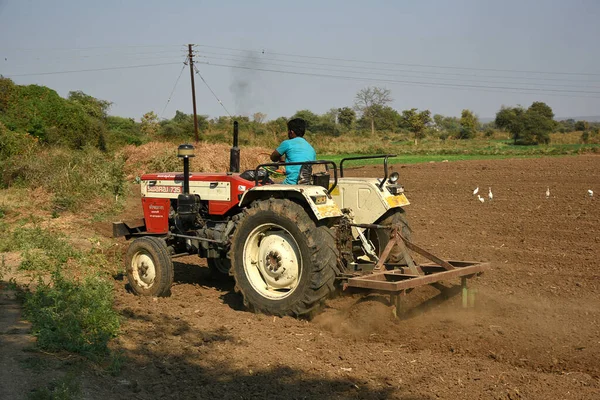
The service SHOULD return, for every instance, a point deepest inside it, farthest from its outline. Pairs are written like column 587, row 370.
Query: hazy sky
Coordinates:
column 437, row 55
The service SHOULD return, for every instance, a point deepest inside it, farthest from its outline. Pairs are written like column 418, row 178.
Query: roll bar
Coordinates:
column 283, row 164
column 385, row 165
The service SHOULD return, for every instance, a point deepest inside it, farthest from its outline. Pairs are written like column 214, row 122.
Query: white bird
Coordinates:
column 481, row 199
column 476, row 191
column 591, row 192
column 490, row 195
column 547, row 192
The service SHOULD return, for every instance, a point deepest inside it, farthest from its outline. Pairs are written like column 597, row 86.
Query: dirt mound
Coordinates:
column 162, row 157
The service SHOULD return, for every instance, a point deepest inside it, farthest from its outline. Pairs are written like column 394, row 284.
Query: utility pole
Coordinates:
column 191, row 57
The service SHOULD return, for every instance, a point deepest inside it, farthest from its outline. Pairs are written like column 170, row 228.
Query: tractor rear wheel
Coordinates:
column 149, row 267
column 283, row 264
column 381, row 237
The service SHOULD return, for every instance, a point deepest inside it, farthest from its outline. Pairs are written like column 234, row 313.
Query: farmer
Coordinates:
column 295, row 149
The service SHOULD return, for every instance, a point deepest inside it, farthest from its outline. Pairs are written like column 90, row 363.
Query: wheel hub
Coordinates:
column 272, row 261
column 144, row 270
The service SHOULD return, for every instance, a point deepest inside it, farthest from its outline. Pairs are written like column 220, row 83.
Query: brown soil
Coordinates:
column 534, row 332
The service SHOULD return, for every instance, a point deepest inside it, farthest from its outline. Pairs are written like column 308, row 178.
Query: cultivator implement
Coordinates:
column 410, row 275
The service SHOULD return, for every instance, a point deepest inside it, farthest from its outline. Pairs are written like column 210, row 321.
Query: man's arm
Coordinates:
column 276, row 157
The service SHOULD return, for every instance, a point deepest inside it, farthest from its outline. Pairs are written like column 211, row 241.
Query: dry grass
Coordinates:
column 162, row 157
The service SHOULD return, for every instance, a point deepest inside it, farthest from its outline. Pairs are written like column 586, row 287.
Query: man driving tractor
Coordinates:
column 295, row 149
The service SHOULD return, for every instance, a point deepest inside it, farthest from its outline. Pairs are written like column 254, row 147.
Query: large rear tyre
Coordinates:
column 381, row 237
column 149, row 267
column 283, row 264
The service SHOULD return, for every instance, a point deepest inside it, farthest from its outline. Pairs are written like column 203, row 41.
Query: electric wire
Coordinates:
column 395, row 75
column 93, row 69
column 555, row 92
column 400, row 64
column 371, row 68
column 174, row 86
column 213, row 93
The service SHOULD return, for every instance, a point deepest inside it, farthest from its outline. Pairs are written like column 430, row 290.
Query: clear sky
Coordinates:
column 432, row 54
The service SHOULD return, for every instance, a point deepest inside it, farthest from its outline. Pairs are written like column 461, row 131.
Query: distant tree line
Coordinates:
column 81, row 120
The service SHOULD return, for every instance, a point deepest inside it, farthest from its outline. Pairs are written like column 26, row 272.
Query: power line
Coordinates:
column 174, row 86
column 395, row 75
column 213, row 93
column 401, row 64
column 92, row 69
column 88, row 48
column 371, row 68
column 556, row 92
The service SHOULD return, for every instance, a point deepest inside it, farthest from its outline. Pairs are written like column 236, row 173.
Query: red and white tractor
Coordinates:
column 288, row 247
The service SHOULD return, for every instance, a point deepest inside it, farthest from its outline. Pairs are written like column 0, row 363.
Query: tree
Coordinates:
column 312, row 119
column 149, row 124
column 94, row 107
column 366, row 101
column 468, row 124
column 510, row 120
column 259, row 117
column 539, row 107
column 415, row 122
column 531, row 126
column 346, row 117
column 581, row 126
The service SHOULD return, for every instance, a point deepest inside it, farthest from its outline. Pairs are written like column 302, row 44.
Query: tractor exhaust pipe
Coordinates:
column 186, row 151
column 234, row 153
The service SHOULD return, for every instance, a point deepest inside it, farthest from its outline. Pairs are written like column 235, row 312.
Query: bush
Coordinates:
column 75, row 177
column 73, row 316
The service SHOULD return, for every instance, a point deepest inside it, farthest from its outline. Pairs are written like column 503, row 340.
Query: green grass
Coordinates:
column 464, row 151
column 66, row 313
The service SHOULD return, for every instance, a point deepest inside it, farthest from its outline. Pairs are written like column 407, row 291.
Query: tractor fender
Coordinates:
column 319, row 202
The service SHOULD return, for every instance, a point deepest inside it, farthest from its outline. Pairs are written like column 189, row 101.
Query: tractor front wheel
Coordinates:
column 283, row 264
column 219, row 268
column 149, row 267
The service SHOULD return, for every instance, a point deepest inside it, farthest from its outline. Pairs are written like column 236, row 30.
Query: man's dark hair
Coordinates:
column 298, row 125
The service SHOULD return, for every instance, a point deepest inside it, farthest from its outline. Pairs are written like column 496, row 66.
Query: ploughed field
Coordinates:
column 534, row 331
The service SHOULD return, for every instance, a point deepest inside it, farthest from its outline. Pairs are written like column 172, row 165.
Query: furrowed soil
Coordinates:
column 533, row 333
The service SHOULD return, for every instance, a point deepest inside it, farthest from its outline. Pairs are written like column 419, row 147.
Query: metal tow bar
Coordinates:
column 398, row 282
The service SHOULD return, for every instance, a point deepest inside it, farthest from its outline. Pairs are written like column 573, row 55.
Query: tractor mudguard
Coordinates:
column 316, row 197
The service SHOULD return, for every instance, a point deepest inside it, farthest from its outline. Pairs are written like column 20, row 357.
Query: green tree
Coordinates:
column 539, row 107
column 371, row 100
column 149, row 124
column 468, row 124
column 581, row 126
column 415, row 122
column 527, row 127
column 446, row 126
column 94, row 107
column 346, row 117
column 312, row 119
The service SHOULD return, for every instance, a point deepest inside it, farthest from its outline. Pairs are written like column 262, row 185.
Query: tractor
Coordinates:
column 287, row 247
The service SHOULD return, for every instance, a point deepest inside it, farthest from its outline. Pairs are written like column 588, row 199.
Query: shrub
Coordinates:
column 73, row 316
column 75, row 177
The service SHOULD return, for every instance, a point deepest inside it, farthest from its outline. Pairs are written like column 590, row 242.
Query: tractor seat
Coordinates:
column 307, row 177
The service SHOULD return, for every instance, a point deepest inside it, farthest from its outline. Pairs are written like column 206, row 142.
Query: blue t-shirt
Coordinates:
column 295, row 150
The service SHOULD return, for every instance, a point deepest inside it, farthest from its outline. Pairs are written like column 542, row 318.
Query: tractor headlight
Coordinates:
column 185, row 150
column 320, row 199
column 394, row 177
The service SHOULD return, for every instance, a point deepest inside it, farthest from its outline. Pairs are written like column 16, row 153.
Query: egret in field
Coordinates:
column 547, row 193
column 490, row 194
column 481, row 199
column 590, row 192
column 476, row 191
